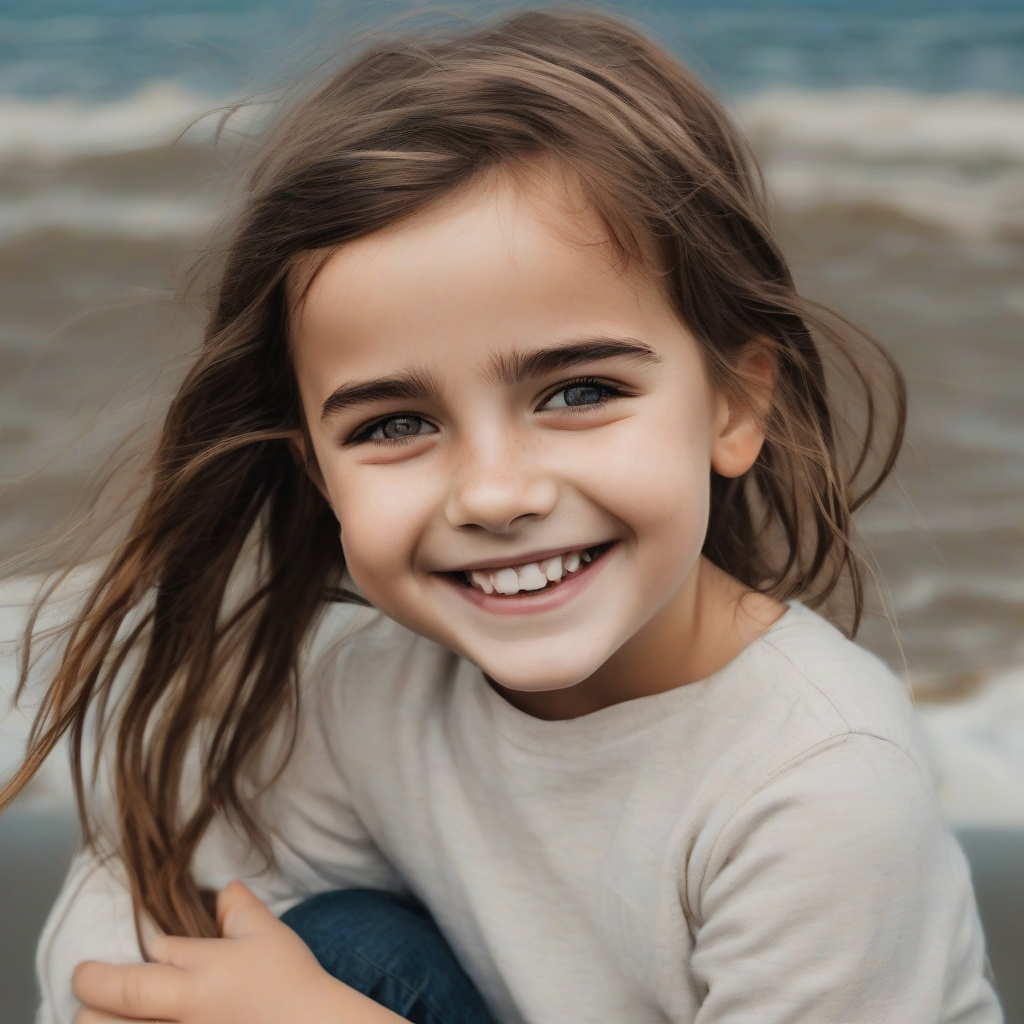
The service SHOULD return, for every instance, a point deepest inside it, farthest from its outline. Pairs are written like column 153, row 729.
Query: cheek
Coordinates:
column 656, row 478
column 381, row 517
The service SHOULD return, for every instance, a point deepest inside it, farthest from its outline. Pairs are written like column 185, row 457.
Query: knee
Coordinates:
column 348, row 917
column 389, row 948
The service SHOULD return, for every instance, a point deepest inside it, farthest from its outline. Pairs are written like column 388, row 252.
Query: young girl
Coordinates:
column 462, row 600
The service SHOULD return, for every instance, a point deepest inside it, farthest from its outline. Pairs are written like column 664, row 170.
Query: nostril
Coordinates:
column 500, row 504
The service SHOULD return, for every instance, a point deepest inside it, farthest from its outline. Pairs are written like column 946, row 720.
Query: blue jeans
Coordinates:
column 388, row 948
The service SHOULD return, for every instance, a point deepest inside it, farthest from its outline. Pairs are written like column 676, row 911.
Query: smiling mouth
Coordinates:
column 531, row 577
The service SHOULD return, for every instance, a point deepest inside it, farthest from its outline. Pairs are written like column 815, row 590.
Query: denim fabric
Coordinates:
column 388, row 948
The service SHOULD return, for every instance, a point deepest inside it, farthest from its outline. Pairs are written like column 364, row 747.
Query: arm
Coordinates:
column 318, row 841
column 836, row 894
column 91, row 918
column 259, row 972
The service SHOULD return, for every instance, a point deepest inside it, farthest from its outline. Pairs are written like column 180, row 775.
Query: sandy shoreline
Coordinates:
column 895, row 154
column 35, row 846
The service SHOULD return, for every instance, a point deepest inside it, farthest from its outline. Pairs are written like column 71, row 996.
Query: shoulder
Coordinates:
column 827, row 767
column 838, row 868
column 361, row 680
column 805, row 662
column 353, row 649
column 799, row 690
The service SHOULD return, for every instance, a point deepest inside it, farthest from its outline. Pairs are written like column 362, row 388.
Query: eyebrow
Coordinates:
column 519, row 367
column 509, row 370
column 415, row 385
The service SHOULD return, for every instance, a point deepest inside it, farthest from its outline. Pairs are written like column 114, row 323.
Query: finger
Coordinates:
column 240, row 912
column 87, row 1015
column 136, row 991
column 186, row 954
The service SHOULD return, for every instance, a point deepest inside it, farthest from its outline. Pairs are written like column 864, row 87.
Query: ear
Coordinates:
column 302, row 450
column 739, row 420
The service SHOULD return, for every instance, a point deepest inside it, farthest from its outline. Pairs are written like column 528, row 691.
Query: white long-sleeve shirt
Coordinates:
column 763, row 846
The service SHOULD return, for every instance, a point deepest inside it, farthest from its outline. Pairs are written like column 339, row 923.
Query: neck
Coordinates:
column 706, row 623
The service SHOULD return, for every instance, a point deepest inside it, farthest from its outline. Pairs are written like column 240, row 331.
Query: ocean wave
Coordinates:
column 953, row 162
column 939, row 198
column 928, row 588
column 105, row 216
column 53, row 130
column 977, row 743
column 872, row 123
column 890, row 124
column 978, row 752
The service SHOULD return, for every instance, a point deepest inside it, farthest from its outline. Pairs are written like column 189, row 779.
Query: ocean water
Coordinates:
column 892, row 132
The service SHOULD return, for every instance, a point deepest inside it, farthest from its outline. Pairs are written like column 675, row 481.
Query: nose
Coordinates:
column 500, row 487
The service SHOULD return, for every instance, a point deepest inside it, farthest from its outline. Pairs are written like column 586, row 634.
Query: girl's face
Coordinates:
column 515, row 433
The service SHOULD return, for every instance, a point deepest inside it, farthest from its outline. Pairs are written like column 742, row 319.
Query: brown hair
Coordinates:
column 400, row 127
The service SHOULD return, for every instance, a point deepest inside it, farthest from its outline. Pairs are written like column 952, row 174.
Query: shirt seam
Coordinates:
column 805, row 755
column 574, row 754
column 667, row 695
column 810, row 682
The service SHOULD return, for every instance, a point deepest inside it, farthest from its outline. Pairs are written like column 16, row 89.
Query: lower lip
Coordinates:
column 533, row 602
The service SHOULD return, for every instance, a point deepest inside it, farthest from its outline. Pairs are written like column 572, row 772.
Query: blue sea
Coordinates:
column 107, row 49
column 892, row 132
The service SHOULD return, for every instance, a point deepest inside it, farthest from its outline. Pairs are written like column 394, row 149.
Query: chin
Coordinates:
column 537, row 671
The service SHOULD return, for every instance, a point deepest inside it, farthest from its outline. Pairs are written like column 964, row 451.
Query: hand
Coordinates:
column 259, row 972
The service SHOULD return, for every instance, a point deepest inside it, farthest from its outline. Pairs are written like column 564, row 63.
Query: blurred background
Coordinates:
column 892, row 132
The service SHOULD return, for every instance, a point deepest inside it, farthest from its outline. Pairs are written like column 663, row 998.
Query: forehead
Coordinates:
column 510, row 263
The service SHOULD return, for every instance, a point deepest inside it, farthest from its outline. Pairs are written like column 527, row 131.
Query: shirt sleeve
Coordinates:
column 318, row 842
column 835, row 895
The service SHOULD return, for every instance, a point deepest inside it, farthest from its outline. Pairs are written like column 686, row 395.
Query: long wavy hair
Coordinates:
column 188, row 643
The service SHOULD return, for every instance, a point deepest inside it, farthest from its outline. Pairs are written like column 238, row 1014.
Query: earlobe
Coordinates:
column 739, row 423
column 735, row 449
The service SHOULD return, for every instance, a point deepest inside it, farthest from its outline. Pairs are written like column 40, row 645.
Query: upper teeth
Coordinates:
column 532, row 576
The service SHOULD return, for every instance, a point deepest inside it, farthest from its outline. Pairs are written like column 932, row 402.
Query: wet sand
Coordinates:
column 997, row 860
column 88, row 347
column 902, row 206
column 35, row 846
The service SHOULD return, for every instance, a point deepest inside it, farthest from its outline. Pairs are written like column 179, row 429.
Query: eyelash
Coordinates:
column 363, row 434
column 613, row 391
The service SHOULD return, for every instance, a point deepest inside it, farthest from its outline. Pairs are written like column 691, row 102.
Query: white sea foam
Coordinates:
column 50, row 133
column 52, row 786
column 937, row 196
column 103, row 215
column 978, row 747
column 927, row 588
column 875, row 123
column 952, row 161
column 57, row 129
column 890, row 123
column 977, row 744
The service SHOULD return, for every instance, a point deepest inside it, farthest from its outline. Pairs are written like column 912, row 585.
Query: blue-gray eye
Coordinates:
column 576, row 395
column 397, row 428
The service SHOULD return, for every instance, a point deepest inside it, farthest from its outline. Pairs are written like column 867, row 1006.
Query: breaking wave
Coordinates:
column 949, row 161
column 53, row 130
